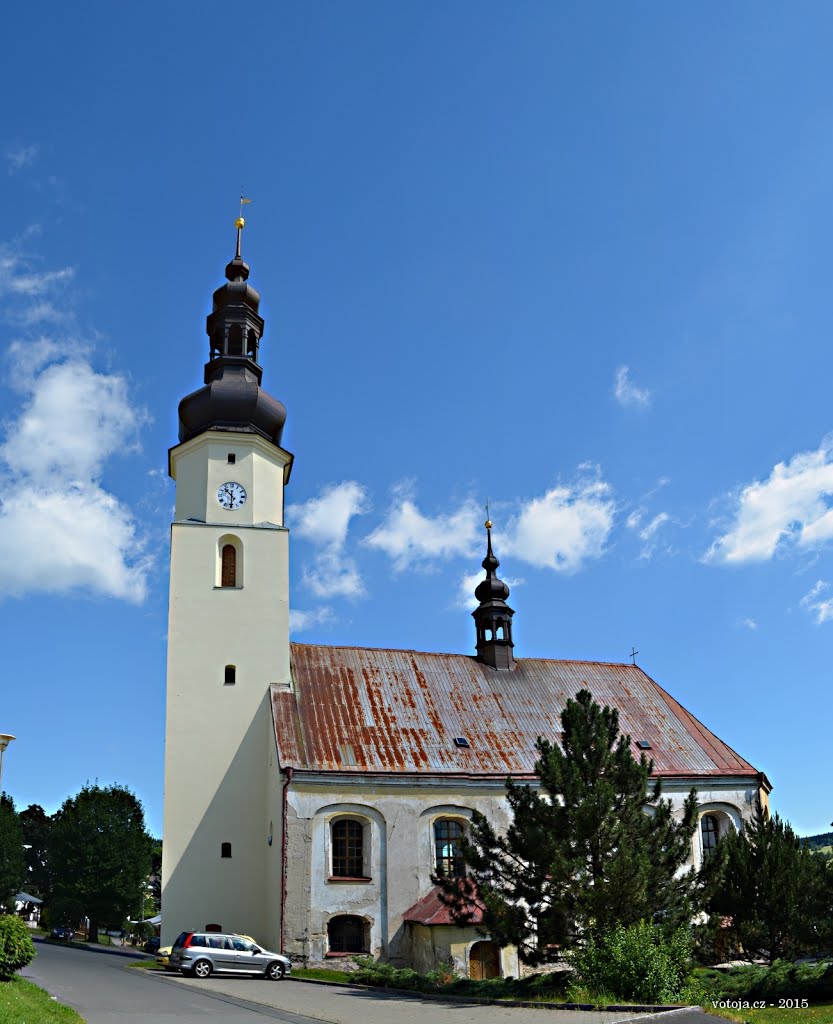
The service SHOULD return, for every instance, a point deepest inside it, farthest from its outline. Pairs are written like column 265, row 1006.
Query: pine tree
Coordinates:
column 592, row 846
column 775, row 890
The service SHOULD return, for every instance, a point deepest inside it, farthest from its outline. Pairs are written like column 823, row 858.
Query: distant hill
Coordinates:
column 819, row 842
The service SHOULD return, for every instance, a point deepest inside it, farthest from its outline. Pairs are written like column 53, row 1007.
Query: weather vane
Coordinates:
column 488, row 523
column 241, row 223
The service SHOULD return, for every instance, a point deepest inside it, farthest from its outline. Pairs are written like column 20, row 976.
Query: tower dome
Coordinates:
column 232, row 398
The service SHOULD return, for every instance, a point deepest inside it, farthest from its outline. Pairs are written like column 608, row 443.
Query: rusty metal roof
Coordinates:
column 431, row 910
column 358, row 709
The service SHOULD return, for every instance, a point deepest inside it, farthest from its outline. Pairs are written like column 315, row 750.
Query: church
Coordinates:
column 311, row 791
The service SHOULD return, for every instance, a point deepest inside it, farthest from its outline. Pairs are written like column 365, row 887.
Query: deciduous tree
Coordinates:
column 12, row 868
column 592, row 846
column 99, row 855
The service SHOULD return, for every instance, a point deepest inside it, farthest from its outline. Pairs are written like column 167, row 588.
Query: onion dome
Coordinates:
column 493, row 616
column 232, row 398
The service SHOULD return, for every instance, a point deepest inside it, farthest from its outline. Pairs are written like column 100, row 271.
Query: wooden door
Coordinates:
column 484, row 961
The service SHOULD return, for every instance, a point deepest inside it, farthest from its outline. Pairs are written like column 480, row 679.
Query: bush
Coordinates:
column 372, row 972
column 639, row 964
column 782, row 979
column 16, row 946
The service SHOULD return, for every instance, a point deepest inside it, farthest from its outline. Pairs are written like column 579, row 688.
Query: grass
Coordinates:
column 22, row 1002
column 145, row 965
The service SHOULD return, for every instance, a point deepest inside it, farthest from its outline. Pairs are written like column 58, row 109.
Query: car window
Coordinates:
column 240, row 944
column 199, row 940
column 180, row 941
column 216, row 942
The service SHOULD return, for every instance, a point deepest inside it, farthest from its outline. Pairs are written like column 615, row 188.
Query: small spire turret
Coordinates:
column 493, row 616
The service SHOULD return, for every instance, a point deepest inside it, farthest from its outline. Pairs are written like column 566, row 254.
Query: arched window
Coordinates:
column 346, row 934
column 228, row 571
column 225, row 849
column 448, row 848
column 709, row 833
column 347, row 848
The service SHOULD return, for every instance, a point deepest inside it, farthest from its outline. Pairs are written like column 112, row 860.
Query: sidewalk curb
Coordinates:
column 108, row 950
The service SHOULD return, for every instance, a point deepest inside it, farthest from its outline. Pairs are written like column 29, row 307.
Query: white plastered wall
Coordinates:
column 221, row 775
column 401, row 814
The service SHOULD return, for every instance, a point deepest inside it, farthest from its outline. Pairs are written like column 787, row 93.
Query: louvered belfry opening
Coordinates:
column 228, row 573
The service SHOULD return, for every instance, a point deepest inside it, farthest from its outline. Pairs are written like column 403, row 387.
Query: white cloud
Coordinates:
column 748, row 623
column 60, row 530
column 19, row 278
column 325, row 521
column 627, row 394
column 791, row 507
column 564, row 528
column 410, row 538
column 18, row 157
column 299, row 620
column 816, row 603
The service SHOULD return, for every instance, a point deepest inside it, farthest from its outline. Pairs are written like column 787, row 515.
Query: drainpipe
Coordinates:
column 288, row 772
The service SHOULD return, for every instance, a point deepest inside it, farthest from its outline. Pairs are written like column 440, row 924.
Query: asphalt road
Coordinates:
column 105, row 990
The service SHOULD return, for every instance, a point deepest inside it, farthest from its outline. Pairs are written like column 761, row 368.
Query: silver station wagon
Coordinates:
column 203, row 953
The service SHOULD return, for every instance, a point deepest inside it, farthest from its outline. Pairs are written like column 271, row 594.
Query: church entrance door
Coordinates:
column 484, row 961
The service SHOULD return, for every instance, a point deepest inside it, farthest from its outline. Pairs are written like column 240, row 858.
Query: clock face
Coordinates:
column 231, row 496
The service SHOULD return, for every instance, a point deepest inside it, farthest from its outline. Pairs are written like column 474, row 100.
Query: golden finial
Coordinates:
column 488, row 523
column 240, row 223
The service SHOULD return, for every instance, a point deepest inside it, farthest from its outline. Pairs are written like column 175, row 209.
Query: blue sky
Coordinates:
column 574, row 259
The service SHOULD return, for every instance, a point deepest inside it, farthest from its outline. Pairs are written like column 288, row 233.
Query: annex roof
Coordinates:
column 430, row 910
column 358, row 709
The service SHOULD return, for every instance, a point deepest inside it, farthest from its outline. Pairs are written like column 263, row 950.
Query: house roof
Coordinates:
column 358, row 709
column 431, row 910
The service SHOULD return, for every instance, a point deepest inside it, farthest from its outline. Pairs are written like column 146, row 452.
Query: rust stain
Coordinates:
column 399, row 711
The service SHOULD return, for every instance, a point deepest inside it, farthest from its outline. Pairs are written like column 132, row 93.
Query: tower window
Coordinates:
column 230, row 675
column 225, row 849
column 228, row 576
column 232, row 458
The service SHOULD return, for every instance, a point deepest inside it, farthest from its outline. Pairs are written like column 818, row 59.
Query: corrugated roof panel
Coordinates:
column 399, row 711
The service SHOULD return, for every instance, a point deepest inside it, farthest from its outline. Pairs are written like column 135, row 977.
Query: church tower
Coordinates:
column 228, row 634
column 493, row 616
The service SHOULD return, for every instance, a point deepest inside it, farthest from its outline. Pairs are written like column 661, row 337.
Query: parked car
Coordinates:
column 151, row 945
column 63, row 932
column 163, row 958
column 203, row 953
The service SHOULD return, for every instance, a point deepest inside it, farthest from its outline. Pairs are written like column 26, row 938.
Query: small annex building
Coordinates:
column 311, row 791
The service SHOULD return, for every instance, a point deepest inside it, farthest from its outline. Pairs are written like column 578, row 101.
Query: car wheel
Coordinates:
column 201, row 969
column 275, row 971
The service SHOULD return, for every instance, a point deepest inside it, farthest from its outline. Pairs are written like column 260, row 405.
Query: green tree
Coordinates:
column 36, row 824
column 775, row 890
column 99, row 855
column 12, row 867
column 592, row 846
